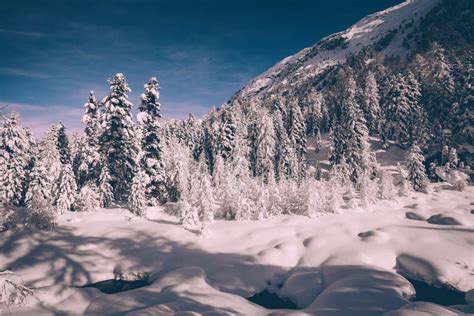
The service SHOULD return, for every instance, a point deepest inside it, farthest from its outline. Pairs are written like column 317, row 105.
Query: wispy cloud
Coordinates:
column 24, row 33
column 24, row 73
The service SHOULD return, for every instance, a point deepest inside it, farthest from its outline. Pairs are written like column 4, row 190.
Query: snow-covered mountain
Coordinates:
column 385, row 31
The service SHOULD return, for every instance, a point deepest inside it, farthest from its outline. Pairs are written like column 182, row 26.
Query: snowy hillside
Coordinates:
column 334, row 49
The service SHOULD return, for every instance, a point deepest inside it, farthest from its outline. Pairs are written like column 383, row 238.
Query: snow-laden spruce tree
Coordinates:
column 63, row 144
column 350, row 135
column 297, row 135
column 211, row 146
column 65, row 192
column 89, row 156
column 117, row 140
column 88, row 199
column 398, row 111
column 178, row 168
column 44, row 179
column 370, row 103
column 202, row 198
column 440, row 85
column 265, row 148
column 14, row 160
column 286, row 161
column 416, row 169
column 227, row 132
column 104, row 188
column 150, row 129
column 418, row 125
column 137, row 197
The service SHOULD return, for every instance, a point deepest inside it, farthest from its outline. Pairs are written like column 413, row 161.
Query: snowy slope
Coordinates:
column 308, row 63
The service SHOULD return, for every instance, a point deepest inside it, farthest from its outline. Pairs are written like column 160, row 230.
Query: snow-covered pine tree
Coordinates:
column 117, row 139
column 397, row 111
column 351, row 140
column 416, row 169
column 88, row 199
column 178, row 166
column 211, row 146
column 370, row 104
column 297, row 135
column 286, row 162
column 265, row 148
column 104, row 189
column 62, row 142
column 439, row 85
column 89, row 158
column 194, row 137
column 152, row 162
column 418, row 123
column 14, row 160
column 66, row 190
column 137, row 198
column 45, row 176
column 228, row 129
column 203, row 199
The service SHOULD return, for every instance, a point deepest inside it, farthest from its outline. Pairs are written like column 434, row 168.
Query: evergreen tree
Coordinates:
column 62, row 142
column 228, row 129
column 265, row 148
column 440, row 86
column 152, row 162
column 178, row 167
column 211, row 139
column 88, row 199
column 136, row 198
column 204, row 200
column 117, row 139
column 66, row 191
column 416, row 169
column 286, row 162
column 14, row 160
column 45, row 175
column 398, row 111
column 370, row 104
column 297, row 135
column 104, row 189
column 88, row 159
column 350, row 139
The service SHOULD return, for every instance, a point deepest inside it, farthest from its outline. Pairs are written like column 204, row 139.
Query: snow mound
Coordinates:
column 423, row 309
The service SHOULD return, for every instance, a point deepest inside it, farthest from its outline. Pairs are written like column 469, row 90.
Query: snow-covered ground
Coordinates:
column 334, row 264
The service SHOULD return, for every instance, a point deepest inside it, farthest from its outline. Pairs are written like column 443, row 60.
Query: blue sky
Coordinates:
column 53, row 52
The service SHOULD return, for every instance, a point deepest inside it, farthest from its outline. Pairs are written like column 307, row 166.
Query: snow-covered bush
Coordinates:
column 13, row 291
column 387, row 190
column 456, row 178
column 17, row 218
column 88, row 199
column 368, row 191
